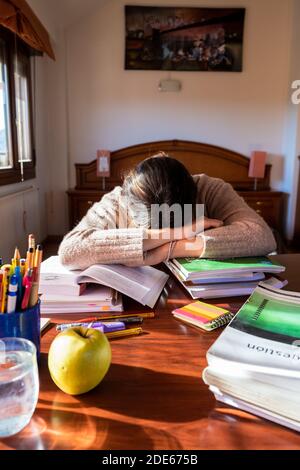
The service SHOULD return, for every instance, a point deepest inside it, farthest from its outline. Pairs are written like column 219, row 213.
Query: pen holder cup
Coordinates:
column 24, row 325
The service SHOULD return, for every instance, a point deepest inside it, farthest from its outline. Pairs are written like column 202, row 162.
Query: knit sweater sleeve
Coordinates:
column 98, row 239
column 244, row 232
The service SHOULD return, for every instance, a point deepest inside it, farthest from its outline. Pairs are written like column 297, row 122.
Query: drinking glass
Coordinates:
column 19, row 384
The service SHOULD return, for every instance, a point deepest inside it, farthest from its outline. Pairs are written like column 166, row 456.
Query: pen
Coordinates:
column 20, row 285
column 122, row 334
column 104, row 327
column 23, row 267
column 12, row 294
column 27, row 283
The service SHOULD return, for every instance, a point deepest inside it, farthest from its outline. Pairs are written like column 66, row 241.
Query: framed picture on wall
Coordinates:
column 184, row 39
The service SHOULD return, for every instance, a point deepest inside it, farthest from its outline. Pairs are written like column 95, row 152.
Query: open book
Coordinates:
column 255, row 363
column 143, row 284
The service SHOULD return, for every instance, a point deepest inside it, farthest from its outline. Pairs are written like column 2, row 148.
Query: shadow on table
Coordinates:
column 67, row 430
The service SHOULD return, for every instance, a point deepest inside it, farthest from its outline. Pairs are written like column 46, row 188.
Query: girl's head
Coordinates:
column 156, row 181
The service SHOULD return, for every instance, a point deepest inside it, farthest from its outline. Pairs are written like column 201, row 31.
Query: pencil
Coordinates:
column 123, row 333
column 31, row 242
column 34, row 295
column 16, row 258
column 112, row 317
column 29, row 259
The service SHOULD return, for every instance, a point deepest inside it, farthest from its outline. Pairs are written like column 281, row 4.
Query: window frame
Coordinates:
column 13, row 175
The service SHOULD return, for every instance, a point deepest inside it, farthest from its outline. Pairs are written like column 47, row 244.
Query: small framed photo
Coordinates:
column 103, row 163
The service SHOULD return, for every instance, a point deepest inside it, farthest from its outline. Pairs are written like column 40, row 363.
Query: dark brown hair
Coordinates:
column 161, row 180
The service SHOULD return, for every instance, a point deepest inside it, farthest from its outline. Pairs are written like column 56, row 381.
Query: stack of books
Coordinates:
column 254, row 364
column 62, row 292
column 210, row 279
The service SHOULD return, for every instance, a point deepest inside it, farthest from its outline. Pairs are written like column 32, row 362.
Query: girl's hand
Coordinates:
column 190, row 231
column 156, row 256
column 192, row 248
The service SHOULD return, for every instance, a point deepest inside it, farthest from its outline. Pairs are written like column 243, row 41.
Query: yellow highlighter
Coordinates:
column 5, row 284
column 123, row 333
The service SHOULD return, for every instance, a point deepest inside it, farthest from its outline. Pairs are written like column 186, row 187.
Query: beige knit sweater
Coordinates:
column 92, row 241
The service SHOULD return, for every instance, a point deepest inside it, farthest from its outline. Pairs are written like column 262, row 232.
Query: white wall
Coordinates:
column 112, row 108
column 93, row 102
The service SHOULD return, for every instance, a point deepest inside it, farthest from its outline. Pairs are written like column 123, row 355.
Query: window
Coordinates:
column 5, row 131
column 16, row 130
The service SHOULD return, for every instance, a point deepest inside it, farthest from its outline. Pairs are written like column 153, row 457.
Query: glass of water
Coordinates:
column 19, row 384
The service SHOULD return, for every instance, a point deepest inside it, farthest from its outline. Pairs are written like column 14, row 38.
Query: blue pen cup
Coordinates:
column 24, row 324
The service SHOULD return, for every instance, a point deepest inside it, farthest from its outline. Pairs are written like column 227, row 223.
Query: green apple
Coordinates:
column 78, row 359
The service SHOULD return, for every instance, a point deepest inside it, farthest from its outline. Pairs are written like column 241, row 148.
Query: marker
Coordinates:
column 104, row 327
column 27, row 283
column 122, row 334
column 5, row 281
column 12, row 294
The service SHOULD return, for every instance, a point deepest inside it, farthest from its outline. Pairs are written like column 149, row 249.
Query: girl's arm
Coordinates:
column 97, row 238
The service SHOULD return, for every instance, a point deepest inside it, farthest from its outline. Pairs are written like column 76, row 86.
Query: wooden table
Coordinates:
column 153, row 396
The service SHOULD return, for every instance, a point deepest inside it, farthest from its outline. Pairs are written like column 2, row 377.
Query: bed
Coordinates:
column 198, row 158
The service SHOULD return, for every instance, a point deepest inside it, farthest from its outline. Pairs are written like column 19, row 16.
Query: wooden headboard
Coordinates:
column 198, row 158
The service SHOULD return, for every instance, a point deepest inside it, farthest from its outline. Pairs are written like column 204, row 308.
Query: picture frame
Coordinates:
column 184, row 39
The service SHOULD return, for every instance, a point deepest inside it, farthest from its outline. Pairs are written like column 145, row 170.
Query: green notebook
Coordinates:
column 271, row 315
column 198, row 267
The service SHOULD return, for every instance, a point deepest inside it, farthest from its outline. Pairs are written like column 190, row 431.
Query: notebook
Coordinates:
column 215, row 289
column 197, row 268
column 255, row 361
column 204, row 316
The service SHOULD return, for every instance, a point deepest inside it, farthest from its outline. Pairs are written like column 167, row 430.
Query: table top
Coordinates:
column 153, row 396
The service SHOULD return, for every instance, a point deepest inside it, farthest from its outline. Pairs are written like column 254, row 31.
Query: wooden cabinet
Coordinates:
column 269, row 205
column 80, row 202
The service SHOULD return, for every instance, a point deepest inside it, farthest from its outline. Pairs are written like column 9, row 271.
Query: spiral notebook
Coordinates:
column 204, row 316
